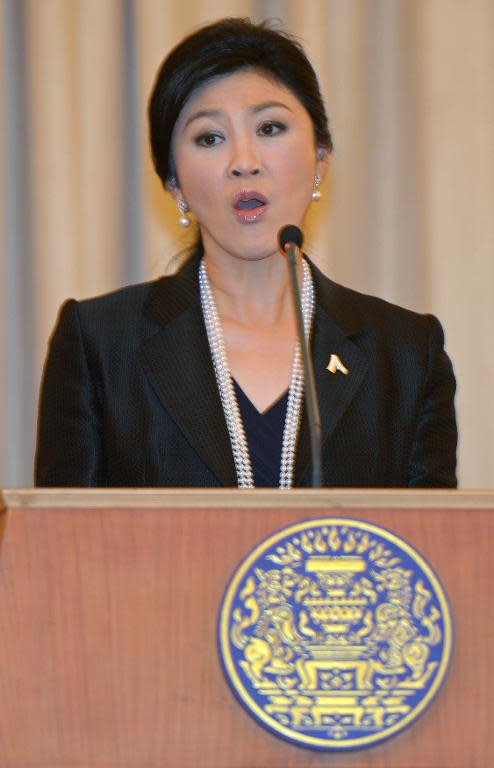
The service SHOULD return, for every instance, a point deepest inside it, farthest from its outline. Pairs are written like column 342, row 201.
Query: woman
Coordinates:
column 195, row 379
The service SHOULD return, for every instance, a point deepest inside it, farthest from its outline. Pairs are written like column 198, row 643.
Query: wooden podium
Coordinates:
column 108, row 620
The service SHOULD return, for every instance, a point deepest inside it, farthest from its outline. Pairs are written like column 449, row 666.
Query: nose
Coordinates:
column 238, row 172
column 244, row 161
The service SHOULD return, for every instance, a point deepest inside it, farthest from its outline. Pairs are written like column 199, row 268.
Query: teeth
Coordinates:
column 248, row 205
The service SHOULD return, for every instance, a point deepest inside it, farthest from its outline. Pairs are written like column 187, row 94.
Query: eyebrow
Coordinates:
column 255, row 109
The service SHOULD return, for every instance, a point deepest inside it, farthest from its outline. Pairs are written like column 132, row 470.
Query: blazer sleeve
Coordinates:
column 69, row 448
column 433, row 458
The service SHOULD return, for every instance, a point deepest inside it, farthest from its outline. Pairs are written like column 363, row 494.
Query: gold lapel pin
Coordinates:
column 335, row 364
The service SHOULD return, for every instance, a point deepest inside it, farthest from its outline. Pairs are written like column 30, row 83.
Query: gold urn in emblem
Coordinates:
column 339, row 606
column 335, row 633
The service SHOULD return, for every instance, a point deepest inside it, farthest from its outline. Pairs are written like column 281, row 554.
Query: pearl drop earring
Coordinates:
column 316, row 195
column 184, row 220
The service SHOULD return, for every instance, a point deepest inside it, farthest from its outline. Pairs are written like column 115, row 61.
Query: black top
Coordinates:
column 130, row 398
column 264, row 433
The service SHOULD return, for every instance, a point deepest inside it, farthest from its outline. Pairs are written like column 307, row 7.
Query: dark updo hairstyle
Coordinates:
column 222, row 48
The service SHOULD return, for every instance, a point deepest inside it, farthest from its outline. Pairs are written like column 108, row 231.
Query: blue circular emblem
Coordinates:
column 335, row 633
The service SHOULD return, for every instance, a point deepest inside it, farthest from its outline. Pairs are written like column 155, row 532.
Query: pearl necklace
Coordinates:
column 238, row 440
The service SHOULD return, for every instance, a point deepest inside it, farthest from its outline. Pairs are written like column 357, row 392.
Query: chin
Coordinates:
column 248, row 244
column 258, row 247
column 257, row 252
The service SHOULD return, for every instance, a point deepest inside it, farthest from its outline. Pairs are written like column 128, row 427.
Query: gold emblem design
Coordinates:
column 335, row 365
column 335, row 633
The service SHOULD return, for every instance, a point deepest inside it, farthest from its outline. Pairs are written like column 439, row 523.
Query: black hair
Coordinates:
column 222, row 48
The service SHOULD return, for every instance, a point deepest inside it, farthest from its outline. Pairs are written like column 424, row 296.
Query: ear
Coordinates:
column 322, row 162
column 173, row 188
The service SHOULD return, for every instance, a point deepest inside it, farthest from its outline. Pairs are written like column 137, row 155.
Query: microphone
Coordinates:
column 290, row 240
column 290, row 234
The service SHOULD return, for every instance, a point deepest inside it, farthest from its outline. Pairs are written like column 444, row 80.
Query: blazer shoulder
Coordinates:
column 159, row 301
column 110, row 320
column 120, row 301
column 355, row 311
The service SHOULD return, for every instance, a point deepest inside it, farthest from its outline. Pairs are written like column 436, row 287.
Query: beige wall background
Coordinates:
column 408, row 210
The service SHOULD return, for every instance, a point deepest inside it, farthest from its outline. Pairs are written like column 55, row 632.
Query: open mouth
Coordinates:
column 249, row 205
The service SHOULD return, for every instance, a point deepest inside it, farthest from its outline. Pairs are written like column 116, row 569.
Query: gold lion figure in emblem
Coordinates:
column 401, row 648
column 272, row 652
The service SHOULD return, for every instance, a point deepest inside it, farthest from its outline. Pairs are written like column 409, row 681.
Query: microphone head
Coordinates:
column 290, row 234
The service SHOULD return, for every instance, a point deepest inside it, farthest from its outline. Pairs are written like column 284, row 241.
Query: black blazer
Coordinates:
column 129, row 395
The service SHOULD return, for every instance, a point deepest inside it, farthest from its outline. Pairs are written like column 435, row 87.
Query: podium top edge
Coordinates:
column 266, row 498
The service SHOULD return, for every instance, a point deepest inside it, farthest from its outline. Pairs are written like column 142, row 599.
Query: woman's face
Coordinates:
column 246, row 159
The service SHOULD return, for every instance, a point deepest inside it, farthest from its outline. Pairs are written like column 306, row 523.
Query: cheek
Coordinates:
column 203, row 196
column 300, row 171
column 199, row 183
column 190, row 174
column 299, row 165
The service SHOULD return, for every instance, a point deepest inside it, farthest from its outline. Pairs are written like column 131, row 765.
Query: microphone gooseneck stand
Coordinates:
column 290, row 241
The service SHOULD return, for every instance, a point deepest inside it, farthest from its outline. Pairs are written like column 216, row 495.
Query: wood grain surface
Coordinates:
column 108, row 622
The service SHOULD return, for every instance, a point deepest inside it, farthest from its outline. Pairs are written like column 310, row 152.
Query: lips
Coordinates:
column 249, row 205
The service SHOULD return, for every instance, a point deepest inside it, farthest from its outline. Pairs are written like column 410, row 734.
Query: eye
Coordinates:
column 208, row 139
column 270, row 128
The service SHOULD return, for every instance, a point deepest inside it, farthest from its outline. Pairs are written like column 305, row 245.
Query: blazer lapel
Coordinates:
column 336, row 321
column 179, row 366
column 178, row 363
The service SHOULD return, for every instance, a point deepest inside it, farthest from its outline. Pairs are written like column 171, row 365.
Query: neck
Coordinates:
column 251, row 291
